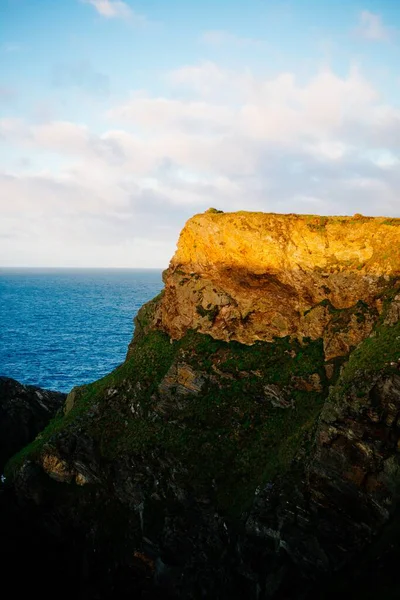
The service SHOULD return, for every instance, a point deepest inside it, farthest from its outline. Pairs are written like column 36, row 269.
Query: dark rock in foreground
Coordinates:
column 25, row 410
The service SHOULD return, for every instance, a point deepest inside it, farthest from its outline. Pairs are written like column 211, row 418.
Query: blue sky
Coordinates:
column 119, row 120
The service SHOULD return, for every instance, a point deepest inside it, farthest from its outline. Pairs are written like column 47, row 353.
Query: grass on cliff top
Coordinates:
column 316, row 222
column 230, row 438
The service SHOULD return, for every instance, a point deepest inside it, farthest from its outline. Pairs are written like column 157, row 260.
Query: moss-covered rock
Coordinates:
column 224, row 426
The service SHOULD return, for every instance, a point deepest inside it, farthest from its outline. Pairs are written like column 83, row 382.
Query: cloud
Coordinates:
column 220, row 137
column 371, row 27
column 81, row 75
column 166, row 114
column 59, row 220
column 218, row 37
column 204, row 80
column 115, row 9
column 278, row 110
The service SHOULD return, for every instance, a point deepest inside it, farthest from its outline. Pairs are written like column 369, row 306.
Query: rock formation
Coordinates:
column 24, row 411
column 249, row 445
column 255, row 276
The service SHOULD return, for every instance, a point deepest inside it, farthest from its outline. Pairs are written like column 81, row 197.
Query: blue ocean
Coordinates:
column 65, row 327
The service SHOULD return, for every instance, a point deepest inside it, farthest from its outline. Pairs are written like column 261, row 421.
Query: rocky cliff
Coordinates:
column 249, row 445
column 24, row 411
column 255, row 276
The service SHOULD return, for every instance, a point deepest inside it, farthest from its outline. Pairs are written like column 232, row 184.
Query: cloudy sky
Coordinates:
column 121, row 119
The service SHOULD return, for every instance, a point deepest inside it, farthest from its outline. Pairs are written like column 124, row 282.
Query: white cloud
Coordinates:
column 221, row 138
column 162, row 114
column 371, row 27
column 115, row 9
column 60, row 136
column 278, row 110
column 210, row 81
column 12, row 128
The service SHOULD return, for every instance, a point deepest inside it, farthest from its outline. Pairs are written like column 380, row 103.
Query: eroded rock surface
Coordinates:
column 254, row 276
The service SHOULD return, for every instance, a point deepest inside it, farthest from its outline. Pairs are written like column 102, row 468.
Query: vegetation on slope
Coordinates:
column 256, row 407
column 380, row 352
column 230, row 437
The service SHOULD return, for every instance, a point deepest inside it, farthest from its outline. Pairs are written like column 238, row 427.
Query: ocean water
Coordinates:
column 65, row 327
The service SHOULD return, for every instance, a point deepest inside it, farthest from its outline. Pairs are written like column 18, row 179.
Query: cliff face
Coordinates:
column 255, row 276
column 24, row 411
column 255, row 461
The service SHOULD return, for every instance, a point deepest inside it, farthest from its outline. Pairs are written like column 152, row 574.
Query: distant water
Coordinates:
column 66, row 327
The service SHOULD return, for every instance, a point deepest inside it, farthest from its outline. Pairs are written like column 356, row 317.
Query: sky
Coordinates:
column 119, row 120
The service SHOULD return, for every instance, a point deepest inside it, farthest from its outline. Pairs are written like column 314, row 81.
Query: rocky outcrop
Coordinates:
column 249, row 445
column 347, row 493
column 24, row 411
column 255, row 276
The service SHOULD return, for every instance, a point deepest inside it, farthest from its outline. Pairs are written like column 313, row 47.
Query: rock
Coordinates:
column 181, row 379
column 181, row 384
column 307, row 384
column 24, row 411
column 254, row 276
column 275, row 395
column 70, row 400
column 329, row 370
column 393, row 314
column 56, row 468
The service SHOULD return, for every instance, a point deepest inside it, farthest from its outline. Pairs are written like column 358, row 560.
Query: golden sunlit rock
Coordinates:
column 254, row 276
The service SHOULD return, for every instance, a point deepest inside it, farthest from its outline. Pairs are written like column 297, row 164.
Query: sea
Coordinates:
column 65, row 327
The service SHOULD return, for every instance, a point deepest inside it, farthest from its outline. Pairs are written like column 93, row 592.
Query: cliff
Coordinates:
column 248, row 446
column 255, row 276
column 24, row 411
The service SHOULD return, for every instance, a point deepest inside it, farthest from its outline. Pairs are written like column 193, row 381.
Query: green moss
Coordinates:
column 33, row 449
column 388, row 296
column 392, row 222
column 148, row 363
column 214, row 211
column 375, row 353
column 341, row 317
column 318, row 224
column 229, row 438
column 144, row 320
column 146, row 313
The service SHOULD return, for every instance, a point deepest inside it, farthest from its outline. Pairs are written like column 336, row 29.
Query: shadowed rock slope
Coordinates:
column 249, row 445
column 24, row 411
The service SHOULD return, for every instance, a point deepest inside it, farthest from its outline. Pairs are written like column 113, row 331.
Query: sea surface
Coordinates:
column 65, row 327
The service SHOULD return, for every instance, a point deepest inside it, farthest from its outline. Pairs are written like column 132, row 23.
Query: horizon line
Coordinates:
column 83, row 268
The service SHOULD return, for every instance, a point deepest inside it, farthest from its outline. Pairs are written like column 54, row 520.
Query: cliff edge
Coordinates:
column 254, row 276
